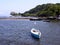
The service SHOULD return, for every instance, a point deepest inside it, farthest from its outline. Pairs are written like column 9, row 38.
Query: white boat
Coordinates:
column 35, row 33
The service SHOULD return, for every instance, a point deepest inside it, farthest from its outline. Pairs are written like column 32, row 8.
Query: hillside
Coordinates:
column 44, row 10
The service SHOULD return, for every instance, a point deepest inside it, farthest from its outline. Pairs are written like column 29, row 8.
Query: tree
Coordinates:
column 13, row 13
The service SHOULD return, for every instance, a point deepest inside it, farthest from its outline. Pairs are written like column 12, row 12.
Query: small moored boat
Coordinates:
column 35, row 33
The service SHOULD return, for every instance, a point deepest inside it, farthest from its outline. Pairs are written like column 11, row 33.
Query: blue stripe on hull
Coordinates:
column 35, row 36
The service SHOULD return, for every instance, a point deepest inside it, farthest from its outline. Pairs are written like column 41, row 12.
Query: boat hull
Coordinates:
column 35, row 36
column 35, row 33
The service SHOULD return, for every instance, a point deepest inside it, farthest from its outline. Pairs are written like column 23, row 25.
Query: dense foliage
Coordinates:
column 44, row 10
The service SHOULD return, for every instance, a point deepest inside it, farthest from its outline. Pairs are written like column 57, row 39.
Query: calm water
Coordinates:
column 17, row 32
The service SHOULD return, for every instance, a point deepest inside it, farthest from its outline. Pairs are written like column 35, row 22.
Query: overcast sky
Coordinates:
column 6, row 6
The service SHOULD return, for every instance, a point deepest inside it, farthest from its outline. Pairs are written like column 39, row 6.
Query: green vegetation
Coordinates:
column 15, row 14
column 44, row 10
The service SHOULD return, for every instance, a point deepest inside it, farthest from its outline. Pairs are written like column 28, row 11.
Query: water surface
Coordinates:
column 17, row 32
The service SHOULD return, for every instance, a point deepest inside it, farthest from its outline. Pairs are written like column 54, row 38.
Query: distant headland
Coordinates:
column 44, row 10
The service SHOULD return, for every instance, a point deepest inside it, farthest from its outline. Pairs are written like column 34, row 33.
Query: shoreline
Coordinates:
column 28, row 18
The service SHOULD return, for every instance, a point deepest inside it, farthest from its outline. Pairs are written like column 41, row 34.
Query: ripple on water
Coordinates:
column 17, row 32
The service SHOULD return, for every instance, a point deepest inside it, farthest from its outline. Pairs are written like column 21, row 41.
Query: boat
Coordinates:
column 35, row 33
column 35, row 19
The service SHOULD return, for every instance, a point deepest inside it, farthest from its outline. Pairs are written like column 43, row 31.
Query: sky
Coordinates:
column 7, row 6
